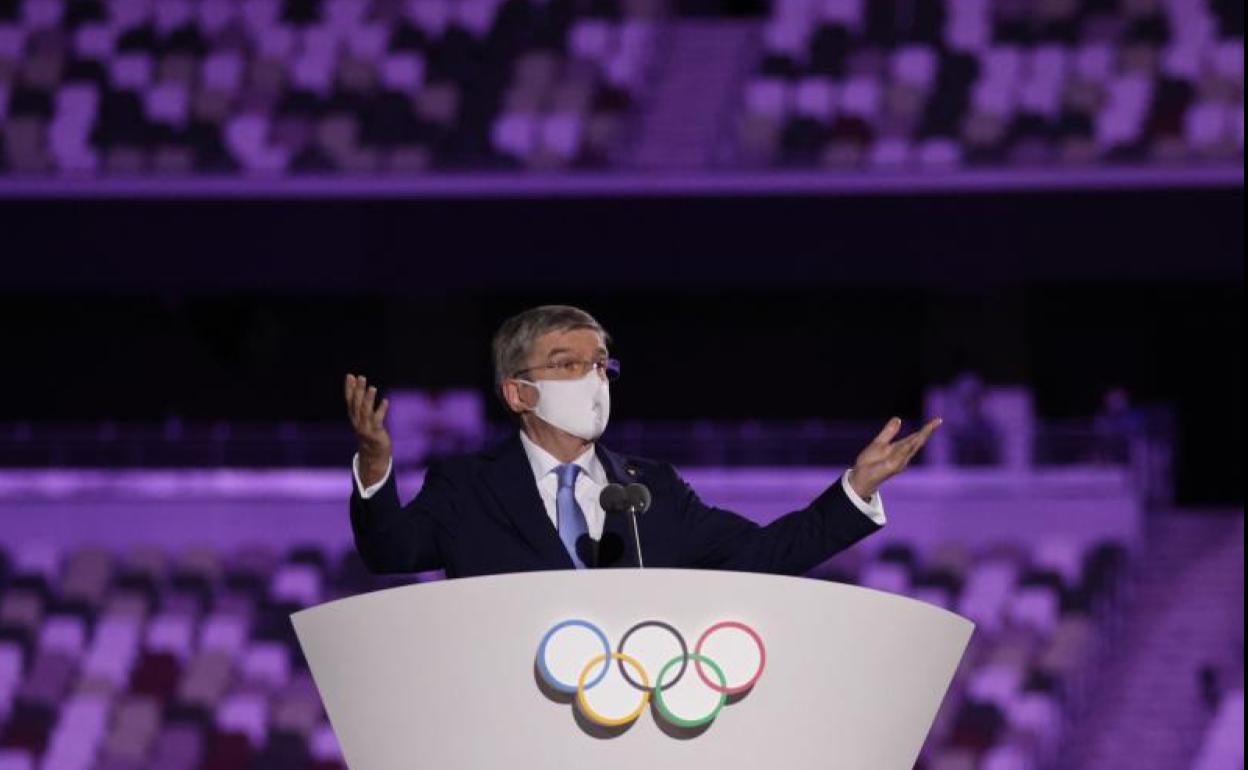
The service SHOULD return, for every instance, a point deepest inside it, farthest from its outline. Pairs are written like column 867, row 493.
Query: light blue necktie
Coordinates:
column 571, row 518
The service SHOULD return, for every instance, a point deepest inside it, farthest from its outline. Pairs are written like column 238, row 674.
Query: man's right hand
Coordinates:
column 370, row 429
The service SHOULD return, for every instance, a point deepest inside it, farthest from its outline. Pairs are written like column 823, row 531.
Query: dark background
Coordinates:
column 765, row 307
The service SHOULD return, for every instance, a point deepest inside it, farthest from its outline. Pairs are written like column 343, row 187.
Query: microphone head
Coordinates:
column 585, row 550
column 638, row 497
column 613, row 498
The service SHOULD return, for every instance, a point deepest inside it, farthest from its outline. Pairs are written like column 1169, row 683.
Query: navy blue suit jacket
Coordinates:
column 481, row 514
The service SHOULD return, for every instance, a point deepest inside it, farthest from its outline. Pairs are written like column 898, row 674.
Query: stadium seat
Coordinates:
column 186, row 661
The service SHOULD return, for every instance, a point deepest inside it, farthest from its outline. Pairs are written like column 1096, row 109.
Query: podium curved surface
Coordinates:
column 559, row 669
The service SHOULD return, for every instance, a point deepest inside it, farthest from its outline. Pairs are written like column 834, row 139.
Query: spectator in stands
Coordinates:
column 975, row 439
column 1117, row 426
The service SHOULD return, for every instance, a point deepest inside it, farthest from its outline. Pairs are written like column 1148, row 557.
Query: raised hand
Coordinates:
column 369, row 426
column 884, row 458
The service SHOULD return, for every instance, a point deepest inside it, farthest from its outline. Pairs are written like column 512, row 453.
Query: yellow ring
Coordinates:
column 594, row 716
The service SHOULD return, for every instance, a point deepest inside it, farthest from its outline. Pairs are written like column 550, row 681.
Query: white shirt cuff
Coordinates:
column 873, row 509
column 370, row 490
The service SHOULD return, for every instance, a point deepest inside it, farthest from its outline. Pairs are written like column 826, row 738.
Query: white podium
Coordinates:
column 629, row 668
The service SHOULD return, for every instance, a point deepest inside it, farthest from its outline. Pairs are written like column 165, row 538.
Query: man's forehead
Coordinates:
column 580, row 339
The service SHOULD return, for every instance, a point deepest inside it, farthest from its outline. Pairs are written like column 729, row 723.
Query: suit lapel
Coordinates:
column 510, row 478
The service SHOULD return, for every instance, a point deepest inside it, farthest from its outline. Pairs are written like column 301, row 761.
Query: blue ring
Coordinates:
column 541, row 655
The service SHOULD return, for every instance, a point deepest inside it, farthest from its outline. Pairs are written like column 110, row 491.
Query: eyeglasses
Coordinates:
column 575, row 368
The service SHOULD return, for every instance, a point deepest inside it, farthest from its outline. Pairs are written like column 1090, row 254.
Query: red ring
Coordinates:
column 762, row 657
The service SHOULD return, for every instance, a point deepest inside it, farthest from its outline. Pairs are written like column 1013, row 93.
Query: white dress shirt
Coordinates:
column 589, row 484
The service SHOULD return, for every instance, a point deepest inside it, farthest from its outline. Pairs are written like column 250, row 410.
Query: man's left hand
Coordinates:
column 882, row 460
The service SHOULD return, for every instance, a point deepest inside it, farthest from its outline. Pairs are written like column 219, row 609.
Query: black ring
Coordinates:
column 684, row 653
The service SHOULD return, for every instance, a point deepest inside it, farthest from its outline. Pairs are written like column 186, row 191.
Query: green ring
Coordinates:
column 662, row 706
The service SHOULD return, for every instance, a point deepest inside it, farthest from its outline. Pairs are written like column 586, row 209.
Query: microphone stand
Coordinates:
column 632, row 514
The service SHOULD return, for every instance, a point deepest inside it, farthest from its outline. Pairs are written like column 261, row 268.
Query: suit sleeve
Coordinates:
column 392, row 537
column 793, row 544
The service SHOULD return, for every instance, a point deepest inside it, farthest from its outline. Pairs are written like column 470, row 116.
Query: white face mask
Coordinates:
column 580, row 407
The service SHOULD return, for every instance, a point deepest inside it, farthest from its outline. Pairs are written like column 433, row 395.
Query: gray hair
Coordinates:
column 514, row 340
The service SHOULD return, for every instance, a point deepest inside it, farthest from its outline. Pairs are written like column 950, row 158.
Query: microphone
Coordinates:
column 613, row 498
column 638, row 496
column 600, row 553
column 632, row 499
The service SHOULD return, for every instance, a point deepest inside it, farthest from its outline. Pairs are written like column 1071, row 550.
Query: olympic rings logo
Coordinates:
column 574, row 658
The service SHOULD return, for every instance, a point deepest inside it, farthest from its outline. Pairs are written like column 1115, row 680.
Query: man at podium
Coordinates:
column 535, row 501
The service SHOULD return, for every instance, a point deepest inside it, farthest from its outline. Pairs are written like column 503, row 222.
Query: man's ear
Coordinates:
column 514, row 396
